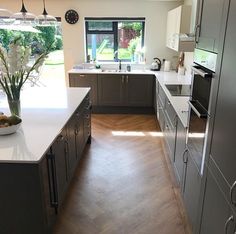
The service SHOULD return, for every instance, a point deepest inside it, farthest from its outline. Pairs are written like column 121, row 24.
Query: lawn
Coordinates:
column 55, row 58
column 108, row 54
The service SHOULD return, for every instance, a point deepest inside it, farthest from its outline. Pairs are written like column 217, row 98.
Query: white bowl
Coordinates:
column 9, row 130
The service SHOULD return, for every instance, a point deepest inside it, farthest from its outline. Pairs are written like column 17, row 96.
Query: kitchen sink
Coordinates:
column 113, row 70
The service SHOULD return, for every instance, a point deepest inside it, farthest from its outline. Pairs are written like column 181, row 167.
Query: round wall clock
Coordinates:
column 72, row 16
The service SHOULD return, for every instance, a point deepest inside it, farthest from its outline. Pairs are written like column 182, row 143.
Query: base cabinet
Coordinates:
column 85, row 80
column 217, row 217
column 125, row 90
column 32, row 193
column 180, row 151
column 191, row 189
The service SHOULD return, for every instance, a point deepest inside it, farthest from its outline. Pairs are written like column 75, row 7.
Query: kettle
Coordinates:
column 156, row 64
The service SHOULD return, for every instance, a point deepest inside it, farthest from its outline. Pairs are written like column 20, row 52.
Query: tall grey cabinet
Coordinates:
column 220, row 193
column 208, row 28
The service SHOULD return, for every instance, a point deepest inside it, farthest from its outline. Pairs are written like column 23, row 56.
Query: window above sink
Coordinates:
column 113, row 39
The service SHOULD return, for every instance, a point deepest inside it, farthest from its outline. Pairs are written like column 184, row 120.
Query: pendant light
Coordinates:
column 24, row 17
column 5, row 17
column 45, row 19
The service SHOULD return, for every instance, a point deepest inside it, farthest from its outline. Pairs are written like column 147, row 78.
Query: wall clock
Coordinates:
column 72, row 16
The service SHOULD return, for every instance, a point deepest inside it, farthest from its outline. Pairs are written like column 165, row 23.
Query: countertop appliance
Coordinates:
column 179, row 90
column 156, row 64
column 202, row 78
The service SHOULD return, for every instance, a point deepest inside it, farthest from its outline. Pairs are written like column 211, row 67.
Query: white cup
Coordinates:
column 167, row 66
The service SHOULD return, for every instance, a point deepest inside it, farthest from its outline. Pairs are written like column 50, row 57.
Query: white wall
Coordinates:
column 73, row 35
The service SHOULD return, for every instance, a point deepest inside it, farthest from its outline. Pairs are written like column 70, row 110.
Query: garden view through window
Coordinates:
column 115, row 39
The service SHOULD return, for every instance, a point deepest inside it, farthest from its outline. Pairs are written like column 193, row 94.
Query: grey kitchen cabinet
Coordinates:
column 191, row 189
column 180, row 151
column 211, row 15
column 32, row 193
column 85, row 80
column 170, row 135
column 223, row 148
column 125, row 90
column 111, row 90
column 139, row 90
column 217, row 216
column 60, row 160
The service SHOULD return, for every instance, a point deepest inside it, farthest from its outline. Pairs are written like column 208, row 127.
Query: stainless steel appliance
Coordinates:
column 202, row 77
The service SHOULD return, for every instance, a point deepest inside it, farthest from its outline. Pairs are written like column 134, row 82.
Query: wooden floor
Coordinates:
column 122, row 185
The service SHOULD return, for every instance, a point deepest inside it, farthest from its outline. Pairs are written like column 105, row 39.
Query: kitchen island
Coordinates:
column 38, row 161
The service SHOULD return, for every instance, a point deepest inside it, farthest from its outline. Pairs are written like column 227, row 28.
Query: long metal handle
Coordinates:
column 228, row 221
column 82, row 75
column 52, row 181
column 201, row 72
column 66, row 158
column 197, row 32
column 122, row 79
column 232, row 192
column 196, row 111
column 127, row 79
column 185, row 159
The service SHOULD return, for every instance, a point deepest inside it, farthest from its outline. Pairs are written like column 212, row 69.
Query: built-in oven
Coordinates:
column 202, row 73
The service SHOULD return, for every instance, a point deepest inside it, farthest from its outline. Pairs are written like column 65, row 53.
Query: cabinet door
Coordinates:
column 223, row 148
column 111, row 90
column 216, row 211
column 161, row 119
column 85, row 80
column 211, row 17
column 79, row 133
column 180, row 147
column 70, row 144
column 170, row 134
column 48, row 191
column 139, row 90
column 61, row 166
column 191, row 190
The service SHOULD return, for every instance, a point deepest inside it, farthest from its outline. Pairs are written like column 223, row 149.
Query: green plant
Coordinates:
column 15, row 69
column 133, row 45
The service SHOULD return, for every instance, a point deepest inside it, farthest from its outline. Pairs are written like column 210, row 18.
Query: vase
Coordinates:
column 14, row 106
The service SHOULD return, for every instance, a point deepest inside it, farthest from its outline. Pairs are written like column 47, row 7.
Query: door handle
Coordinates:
column 122, row 78
column 185, row 159
column 82, row 75
column 228, row 221
column 127, row 79
column 197, row 33
column 51, row 165
column 232, row 192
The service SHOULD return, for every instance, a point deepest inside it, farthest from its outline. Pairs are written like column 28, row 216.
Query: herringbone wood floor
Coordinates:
column 122, row 185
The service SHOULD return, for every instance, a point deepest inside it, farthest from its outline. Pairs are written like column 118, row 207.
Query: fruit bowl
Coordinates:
column 9, row 130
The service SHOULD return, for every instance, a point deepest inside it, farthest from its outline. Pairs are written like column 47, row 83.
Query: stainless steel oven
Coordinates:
column 199, row 114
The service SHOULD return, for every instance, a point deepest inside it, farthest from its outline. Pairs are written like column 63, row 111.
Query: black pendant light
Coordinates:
column 45, row 19
column 24, row 17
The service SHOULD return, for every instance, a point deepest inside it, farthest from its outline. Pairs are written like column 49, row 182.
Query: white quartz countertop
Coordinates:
column 44, row 113
column 178, row 102
column 109, row 71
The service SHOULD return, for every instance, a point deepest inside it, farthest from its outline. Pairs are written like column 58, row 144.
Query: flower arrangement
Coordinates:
column 15, row 70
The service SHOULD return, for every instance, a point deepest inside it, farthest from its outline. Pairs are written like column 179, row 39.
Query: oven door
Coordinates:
column 196, row 136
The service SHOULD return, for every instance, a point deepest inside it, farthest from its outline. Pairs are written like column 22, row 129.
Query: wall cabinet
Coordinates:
column 125, row 90
column 36, row 190
column 178, row 22
column 208, row 30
